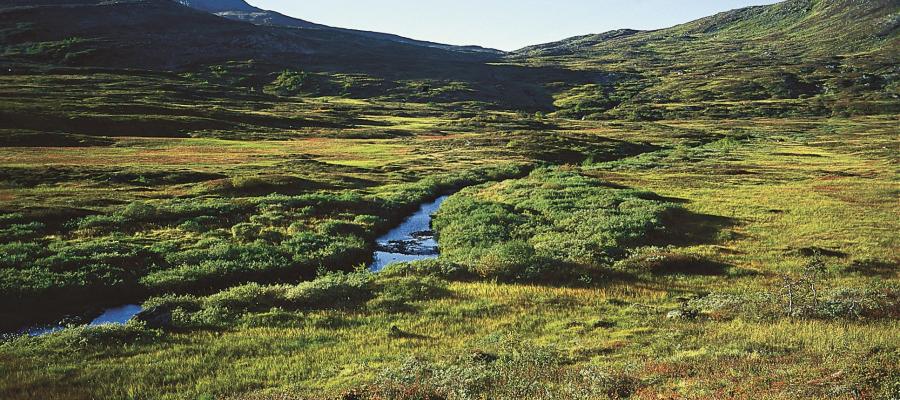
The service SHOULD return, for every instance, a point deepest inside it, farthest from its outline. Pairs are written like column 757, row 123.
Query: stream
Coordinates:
column 410, row 241
column 114, row 315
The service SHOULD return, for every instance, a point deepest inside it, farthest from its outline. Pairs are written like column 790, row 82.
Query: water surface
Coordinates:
column 115, row 315
column 412, row 240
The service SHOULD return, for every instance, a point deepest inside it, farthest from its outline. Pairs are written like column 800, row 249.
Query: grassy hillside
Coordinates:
column 798, row 57
column 795, row 58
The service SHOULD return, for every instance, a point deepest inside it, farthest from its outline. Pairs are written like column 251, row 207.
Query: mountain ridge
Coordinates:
column 240, row 10
column 798, row 57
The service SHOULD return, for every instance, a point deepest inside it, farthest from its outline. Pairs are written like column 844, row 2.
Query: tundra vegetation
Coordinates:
column 632, row 215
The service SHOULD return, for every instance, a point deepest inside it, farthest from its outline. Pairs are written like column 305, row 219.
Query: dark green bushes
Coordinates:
column 397, row 293
column 33, row 271
column 345, row 291
column 217, row 263
column 513, row 260
column 20, row 232
column 140, row 214
column 665, row 262
column 518, row 229
column 202, row 244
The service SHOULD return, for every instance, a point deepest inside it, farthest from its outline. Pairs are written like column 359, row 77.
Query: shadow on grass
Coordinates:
column 685, row 228
column 873, row 268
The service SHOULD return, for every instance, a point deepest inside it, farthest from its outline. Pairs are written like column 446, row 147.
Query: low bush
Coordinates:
column 246, row 232
column 397, row 293
column 481, row 375
column 21, row 232
column 836, row 303
column 222, row 309
column 332, row 290
column 510, row 261
column 100, row 338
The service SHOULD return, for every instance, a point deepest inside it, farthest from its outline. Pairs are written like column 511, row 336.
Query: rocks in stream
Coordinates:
column 419, row 245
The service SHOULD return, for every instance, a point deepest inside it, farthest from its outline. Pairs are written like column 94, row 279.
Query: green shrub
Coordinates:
column 332, row 290
column 308, row 248
column 249, row 297
column 290, row 83
column 412, row 288
column 666, row 262
column 246, row 232
column 217, row 261
column 98, row 337
column 21, row 232
column 336, row 227
column 511, row 261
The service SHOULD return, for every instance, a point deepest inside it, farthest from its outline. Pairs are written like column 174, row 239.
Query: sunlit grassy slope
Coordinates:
column 797, row 57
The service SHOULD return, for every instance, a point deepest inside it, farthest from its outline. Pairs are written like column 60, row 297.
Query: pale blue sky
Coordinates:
column 502, row 24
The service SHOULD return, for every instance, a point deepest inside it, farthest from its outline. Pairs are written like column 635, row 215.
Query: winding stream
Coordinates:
column 410, row 241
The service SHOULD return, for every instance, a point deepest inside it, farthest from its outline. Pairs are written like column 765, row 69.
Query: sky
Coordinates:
column 500, row 24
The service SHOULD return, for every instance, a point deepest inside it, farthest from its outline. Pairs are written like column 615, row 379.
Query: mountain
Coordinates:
column 795, row 58
column 82, row 36
column 217, row 6
column 806, row 57
column 239, row 10
column 163, row 35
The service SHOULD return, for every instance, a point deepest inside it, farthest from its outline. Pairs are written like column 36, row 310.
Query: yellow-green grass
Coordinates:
column 776, row 186
column 790, row 193
column 328, row 352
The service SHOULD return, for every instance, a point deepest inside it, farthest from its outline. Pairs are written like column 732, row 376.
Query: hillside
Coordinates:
column 798, row 57
column 163, row 35
column 152, row 44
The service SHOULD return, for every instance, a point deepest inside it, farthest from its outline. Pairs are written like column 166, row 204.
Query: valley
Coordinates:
column 707, row 211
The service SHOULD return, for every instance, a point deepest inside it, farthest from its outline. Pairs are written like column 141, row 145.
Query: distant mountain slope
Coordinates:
column 162, row 35
column 217, row 6
column 795, row 58
column 241, row 11
column 800, row 57
column 823, row 27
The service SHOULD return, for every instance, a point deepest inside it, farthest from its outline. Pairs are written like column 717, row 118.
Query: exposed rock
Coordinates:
column 409, row 247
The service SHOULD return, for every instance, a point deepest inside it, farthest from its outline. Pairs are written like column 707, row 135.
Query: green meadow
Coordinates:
column 680, row 266
column 708, row 211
